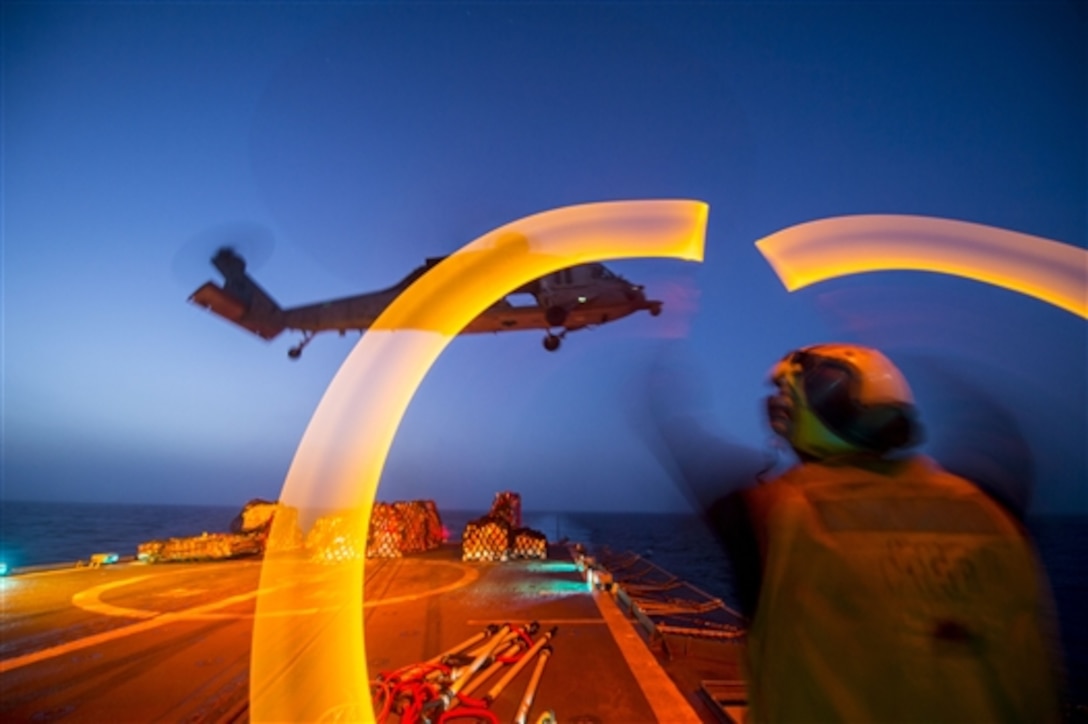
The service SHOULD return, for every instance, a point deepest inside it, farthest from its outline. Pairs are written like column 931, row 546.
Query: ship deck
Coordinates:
column 139, row 642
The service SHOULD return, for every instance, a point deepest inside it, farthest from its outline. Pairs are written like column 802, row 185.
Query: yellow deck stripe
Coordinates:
column 89, row 600
column 20, row 661
column 668, row 704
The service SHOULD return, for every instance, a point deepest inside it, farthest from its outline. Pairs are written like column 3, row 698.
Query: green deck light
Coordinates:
column 552, row 567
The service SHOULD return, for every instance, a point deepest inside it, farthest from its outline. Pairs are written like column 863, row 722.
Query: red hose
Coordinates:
column 465, row 713
column 525, row 636
column 383, row 693
column 471, row 703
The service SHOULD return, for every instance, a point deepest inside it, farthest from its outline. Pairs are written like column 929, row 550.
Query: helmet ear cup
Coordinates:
column 832, row 392
column 886, row 427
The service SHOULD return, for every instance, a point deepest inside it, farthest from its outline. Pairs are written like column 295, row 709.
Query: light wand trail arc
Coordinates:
column 826, row 249
column 314, row 669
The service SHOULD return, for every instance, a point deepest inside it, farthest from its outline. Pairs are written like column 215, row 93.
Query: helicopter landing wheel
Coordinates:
column 551, row 343
column 296, row 351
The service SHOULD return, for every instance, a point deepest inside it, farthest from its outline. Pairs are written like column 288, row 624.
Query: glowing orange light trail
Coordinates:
column 313, row 667
column 816, row 251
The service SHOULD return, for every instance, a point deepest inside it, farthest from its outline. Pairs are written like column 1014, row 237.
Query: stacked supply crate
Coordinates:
column 499, row 535
column 486, row 539
column 206, row 547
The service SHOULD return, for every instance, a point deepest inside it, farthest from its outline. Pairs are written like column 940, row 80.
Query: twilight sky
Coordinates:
column 365, row 137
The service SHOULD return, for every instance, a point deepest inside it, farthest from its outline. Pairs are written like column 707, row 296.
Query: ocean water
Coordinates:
column 42, row 533
column 34, row 534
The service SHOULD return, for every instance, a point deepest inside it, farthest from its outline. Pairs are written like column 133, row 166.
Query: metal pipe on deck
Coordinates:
column 471, row 641
column 490, row 670
column 516, row 668
column 462, row 675
column 534, row 682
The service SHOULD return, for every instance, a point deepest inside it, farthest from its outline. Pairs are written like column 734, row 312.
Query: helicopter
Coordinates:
column 573, row 298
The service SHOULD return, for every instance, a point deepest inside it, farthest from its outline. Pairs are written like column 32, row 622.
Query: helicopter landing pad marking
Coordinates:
column 468, row 575
column 90, row 600
column 151, row 621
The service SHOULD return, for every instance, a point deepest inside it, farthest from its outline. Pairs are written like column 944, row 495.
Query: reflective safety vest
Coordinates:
column 904, row 595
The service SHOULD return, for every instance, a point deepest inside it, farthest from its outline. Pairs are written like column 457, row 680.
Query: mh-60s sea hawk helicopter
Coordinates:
column 569, row 299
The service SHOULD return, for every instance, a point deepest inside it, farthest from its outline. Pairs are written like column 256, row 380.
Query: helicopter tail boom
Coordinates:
column 240, row 300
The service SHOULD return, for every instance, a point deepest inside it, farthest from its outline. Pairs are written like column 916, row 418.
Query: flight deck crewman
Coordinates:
column 883, row 588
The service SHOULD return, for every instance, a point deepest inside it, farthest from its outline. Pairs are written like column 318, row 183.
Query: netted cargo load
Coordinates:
column 507, row 506
column 256, row 519
column 149, row 551
column 528, row 543
column 404, row 526
column 436, row 532
column 334, row 538
column 419, row 521
column 385, row 539
column 285, row 535
column 205, row 547
column 486, row 539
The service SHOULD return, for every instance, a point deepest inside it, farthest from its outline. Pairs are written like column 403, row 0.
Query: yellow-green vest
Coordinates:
column 904, row 595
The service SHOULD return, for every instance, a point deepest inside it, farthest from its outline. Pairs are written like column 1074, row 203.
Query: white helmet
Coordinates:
column 840, row 398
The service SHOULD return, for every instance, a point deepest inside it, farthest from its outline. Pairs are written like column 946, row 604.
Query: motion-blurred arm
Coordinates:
column 708, row 468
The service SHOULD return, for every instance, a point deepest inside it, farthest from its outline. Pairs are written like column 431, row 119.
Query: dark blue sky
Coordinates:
column 366, row 137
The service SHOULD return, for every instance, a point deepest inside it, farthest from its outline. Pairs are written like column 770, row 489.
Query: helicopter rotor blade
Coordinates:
column 192, row 261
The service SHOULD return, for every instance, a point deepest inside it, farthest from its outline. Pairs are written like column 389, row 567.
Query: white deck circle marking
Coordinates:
column 90, row 599
column 468, row 575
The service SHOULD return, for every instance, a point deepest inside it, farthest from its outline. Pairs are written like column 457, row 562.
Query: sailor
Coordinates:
column 883, row 588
